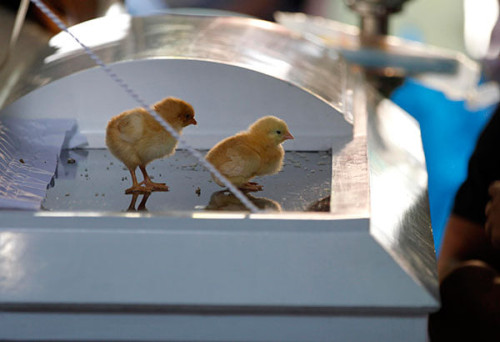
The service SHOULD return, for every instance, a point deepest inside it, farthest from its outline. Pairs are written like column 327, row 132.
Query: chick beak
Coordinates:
column 192, row 121
column 288, row 135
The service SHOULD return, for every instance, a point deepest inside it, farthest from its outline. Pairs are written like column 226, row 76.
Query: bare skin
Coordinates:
column 492, row 211
column 463, row 241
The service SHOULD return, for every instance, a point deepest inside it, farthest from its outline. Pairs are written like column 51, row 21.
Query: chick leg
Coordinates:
column 136, row 187
column 149, row 184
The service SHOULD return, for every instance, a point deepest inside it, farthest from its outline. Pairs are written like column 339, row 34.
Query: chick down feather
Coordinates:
column 136, row 138
column 254, row 152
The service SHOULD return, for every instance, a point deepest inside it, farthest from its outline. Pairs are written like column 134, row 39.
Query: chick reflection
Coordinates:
column 225, row 200
column 322, row 204
column 142, row 204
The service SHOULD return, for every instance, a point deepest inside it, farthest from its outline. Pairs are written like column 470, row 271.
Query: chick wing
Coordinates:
column 235, row 160
column 241, row 161
column 131, row 127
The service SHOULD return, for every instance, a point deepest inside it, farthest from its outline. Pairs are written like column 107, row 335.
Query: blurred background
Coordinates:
column 436, row 23
column 450, row 125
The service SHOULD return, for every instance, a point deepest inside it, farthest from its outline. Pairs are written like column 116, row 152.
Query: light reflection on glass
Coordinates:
column 99, row 33
column 398, row 168
column 218, row 215
column 74, row 214
column 390, row 183
column 12, row 248
column 275, row 66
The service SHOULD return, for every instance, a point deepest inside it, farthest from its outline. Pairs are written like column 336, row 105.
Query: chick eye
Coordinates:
column 187, row 116
column 278, row 132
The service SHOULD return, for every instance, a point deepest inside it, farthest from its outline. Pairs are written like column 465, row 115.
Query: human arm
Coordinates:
column 464, row 240
column 465, row 236
column 492, row 211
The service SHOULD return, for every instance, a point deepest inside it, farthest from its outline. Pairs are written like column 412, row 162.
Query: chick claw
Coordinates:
column 158, row 187
column 152, row 186
column 251, row 187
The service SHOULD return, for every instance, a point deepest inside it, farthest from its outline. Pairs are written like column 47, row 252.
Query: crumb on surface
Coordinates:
column 71, row 161
column 21, row 161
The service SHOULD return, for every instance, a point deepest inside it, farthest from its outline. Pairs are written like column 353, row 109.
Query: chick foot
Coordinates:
column 251, row 187
column 152, row 186
column 149, row 184
column 137, row 189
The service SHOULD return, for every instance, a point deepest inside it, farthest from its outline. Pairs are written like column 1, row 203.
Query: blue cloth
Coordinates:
column 449, row 134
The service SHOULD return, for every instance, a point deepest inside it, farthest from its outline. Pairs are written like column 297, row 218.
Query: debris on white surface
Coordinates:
column 29, row 151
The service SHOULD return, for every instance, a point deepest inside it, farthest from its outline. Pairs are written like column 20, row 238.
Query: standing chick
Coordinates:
column 255, row 152
column 136, row 138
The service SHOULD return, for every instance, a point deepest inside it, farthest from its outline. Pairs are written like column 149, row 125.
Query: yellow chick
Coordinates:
column 136, row 138
column 255, row 152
